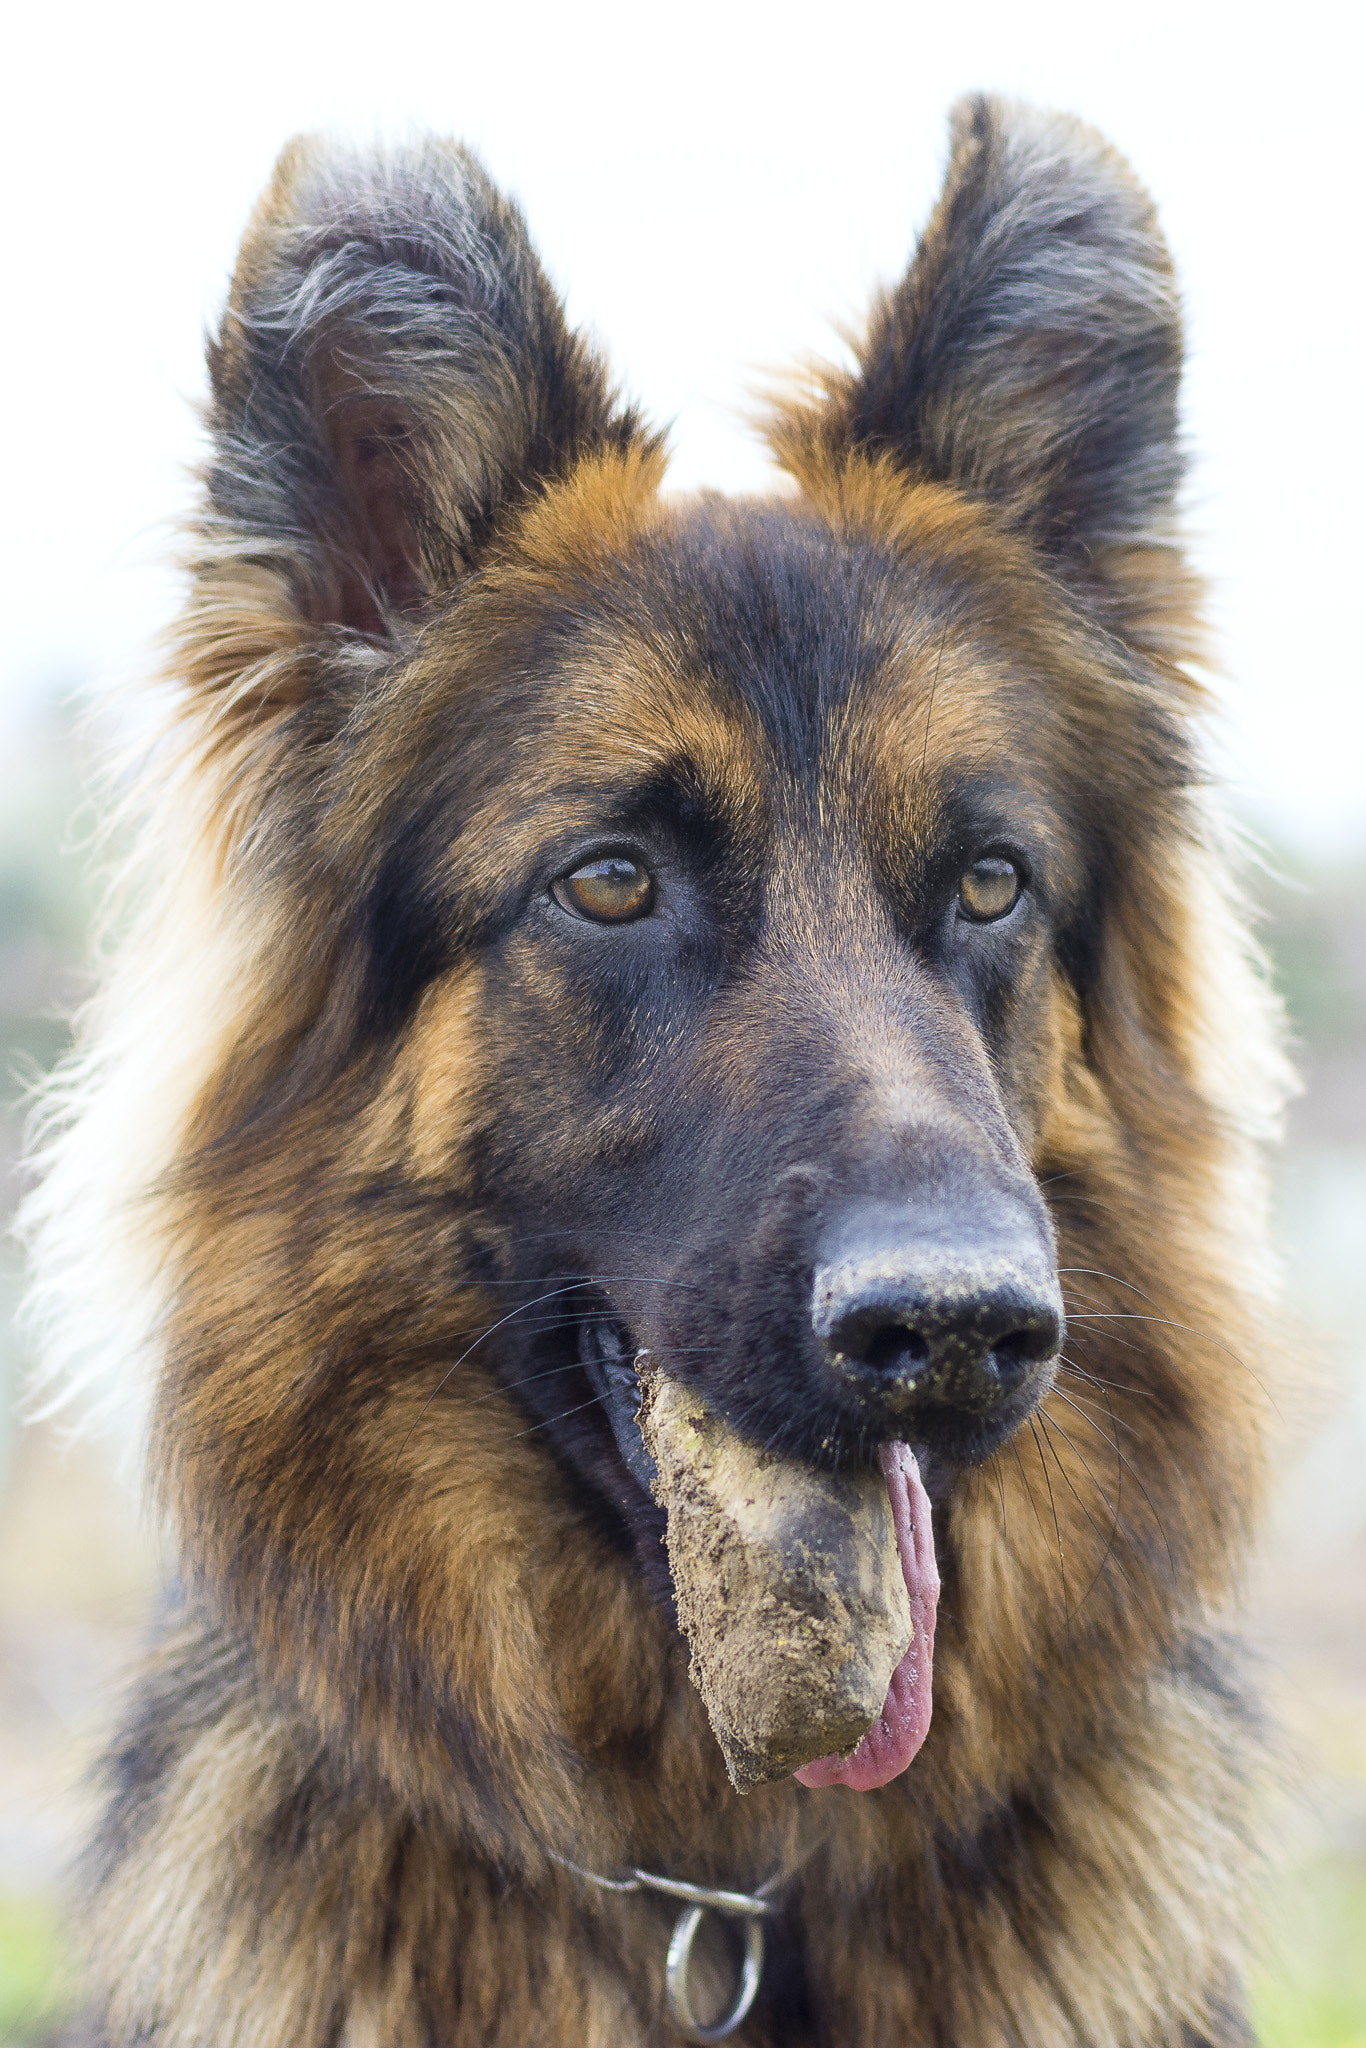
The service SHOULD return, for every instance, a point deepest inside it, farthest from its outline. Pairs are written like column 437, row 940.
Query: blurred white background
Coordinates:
column 712, row 185
column 715, row 188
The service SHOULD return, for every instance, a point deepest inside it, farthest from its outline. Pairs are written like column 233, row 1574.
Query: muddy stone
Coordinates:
column 789, row 1586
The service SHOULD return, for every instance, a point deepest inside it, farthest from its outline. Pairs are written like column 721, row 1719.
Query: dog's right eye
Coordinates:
column 990, row 889
column 613, row 890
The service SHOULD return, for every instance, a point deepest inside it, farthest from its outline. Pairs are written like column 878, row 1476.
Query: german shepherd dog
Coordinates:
column 789, row 939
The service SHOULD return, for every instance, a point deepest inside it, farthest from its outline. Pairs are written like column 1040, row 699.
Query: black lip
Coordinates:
column 609, row 1360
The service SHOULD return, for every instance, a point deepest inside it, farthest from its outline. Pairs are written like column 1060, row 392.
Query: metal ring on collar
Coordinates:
column 679, row 1963
column 706, row 1895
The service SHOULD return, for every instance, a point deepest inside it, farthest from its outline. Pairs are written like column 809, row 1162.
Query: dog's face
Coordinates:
column 755, row 944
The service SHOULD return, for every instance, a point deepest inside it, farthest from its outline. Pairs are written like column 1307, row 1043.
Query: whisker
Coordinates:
column 1132, row 1316
column 1110, row 1336
column 1001, row 1488
column 1076, row 1303
column 540, row 1324
column 1024, row 1476
column 1109, row 1550
column 1057, row 1526
column 528, row 1379
column 572, row 1284
column 1166, row 1322
column 512, row 1315
column 490, row 1282
column 1117, row 1315
column 1119, row 1455
column 575, row 1365
column 1157, row 1519
column 1051, row 1422
column 1099, row 1273
column 563, row 1415
column 1083, row 1406
column 1069, row 1365
column 1134, row 1589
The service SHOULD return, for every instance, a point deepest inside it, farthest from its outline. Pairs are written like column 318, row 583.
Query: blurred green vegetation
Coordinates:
column 1313, row 1994
column 1314, row 930
column 32, row 1970
column 46, row 896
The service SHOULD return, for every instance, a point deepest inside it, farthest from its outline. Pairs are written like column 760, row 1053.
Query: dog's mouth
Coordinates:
column 808, row 1599
column 609, row 1360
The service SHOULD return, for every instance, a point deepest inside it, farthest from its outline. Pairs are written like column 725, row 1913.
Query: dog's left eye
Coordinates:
column 613, row 890
column 989, row 889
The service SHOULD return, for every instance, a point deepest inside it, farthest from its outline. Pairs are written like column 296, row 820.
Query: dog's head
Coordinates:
column 671, row 926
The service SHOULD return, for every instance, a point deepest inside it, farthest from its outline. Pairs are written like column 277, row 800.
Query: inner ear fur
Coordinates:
column 1031, row 357
column 393, row 373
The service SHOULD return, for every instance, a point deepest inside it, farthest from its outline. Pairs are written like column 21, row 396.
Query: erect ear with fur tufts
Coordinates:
column 1030, row 356
column 394, row 370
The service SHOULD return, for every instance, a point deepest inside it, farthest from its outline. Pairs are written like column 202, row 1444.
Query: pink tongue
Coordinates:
column 904, row 1723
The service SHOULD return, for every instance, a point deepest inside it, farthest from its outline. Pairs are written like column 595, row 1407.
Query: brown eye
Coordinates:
column 989, row 889
column 609, row 891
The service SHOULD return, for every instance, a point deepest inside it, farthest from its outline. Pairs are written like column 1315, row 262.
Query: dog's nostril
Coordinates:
column 1011, row 1357
column 895, row 1349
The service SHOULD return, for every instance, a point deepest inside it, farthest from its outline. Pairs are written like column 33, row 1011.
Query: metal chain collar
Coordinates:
column 750, row 1907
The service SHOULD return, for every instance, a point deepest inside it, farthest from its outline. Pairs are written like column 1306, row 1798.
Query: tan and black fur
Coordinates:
column 362, row 1135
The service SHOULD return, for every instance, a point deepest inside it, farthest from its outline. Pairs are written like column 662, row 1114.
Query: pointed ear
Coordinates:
column 393, row 373
column 1031, row 355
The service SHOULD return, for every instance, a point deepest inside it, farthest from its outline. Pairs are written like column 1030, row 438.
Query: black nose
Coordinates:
column 915, row 1319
